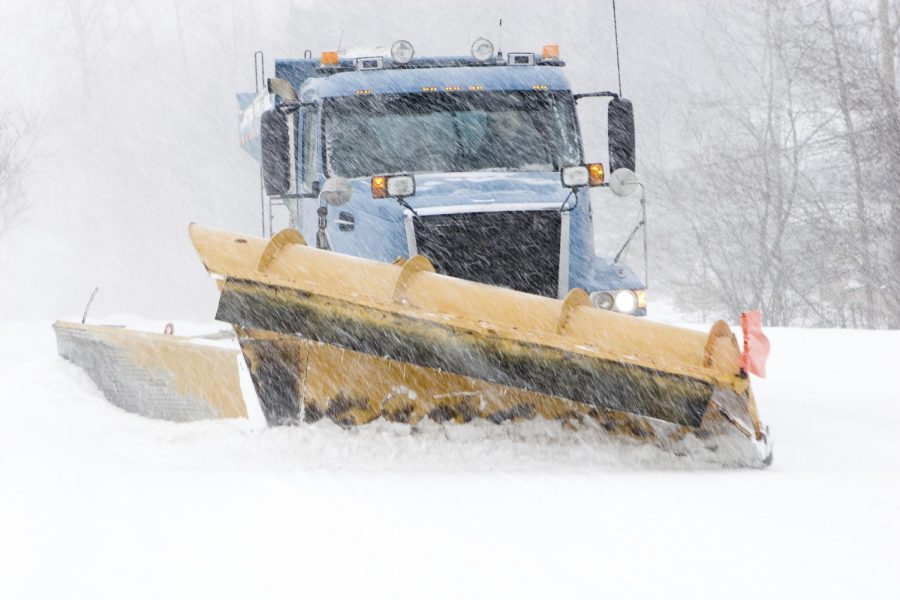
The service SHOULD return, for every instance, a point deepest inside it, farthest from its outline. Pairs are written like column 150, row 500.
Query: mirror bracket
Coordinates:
column 288, row 107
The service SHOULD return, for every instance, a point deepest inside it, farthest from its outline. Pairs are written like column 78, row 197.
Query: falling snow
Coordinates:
column 767, row 140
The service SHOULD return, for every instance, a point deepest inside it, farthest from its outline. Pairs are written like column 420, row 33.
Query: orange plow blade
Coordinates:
column 333, row 336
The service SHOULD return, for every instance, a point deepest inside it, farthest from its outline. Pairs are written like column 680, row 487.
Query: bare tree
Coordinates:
column 793, row 201
column 91, row 23
column 851, row 136
column 13, row 165
column 891, row 138
column 862, row 49
column 746, row 147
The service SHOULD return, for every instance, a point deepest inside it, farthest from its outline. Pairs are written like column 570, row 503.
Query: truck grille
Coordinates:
column 514, row 249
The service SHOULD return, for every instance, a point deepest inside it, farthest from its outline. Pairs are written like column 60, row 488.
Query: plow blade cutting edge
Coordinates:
column 327, row 335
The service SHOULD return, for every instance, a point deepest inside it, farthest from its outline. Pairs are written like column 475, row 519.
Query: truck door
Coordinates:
column 308, row 174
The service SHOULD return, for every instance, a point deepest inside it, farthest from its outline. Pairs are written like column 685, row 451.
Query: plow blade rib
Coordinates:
column 331, row 335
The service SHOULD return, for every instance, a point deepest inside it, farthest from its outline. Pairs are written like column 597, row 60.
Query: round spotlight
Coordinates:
column 482, row 50
column 625, row 302
column 402, row 52
column 602, row 300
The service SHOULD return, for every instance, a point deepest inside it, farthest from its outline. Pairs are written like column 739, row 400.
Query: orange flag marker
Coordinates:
column 756, row 344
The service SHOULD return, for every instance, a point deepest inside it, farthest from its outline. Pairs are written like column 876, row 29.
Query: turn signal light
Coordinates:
column 641, row 298
column 379, row 187
column 595, row 174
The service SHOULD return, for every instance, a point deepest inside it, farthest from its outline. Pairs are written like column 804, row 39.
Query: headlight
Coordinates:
column 402, row 52
column 401, row 186
column 602, row 300
column 482, row 50
column 625, row 302
column 574, row 176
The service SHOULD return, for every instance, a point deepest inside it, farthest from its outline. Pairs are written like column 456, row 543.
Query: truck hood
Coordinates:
column 482, row 191
column 479, row 188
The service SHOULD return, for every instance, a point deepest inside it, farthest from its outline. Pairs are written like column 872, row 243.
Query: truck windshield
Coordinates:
column 450, row 132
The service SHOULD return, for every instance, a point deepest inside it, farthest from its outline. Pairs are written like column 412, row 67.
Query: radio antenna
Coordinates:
column 500, row 39
column 616, row 33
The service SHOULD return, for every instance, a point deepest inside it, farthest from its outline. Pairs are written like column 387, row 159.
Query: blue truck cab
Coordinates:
column 475, row 162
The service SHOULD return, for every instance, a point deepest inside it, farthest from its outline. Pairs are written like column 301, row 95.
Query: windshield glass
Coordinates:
column 450, row 132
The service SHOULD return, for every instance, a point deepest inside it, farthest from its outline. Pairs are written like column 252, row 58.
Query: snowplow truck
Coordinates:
column 439, row 264
column 459, row 160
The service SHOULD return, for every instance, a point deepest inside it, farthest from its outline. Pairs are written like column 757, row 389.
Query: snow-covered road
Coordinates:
column 98, row 503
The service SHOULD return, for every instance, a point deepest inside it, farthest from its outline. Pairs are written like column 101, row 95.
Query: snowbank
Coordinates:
column 95, row 502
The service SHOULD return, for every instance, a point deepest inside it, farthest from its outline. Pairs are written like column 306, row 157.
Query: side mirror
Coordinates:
column 620, row 115
column 287, row 95
column 336, row 191
column 623, row 182
column 276, row 152
column 282, row 89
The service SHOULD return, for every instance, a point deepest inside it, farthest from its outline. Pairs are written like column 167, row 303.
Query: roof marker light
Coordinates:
column 541, row 87
column 430, row 88
column 520, row 59
column 476, row 88
column 452, row 88
column 550, row 52
column 402, row 52
column 369, row 63
column 482, row 50
column 363, row 92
